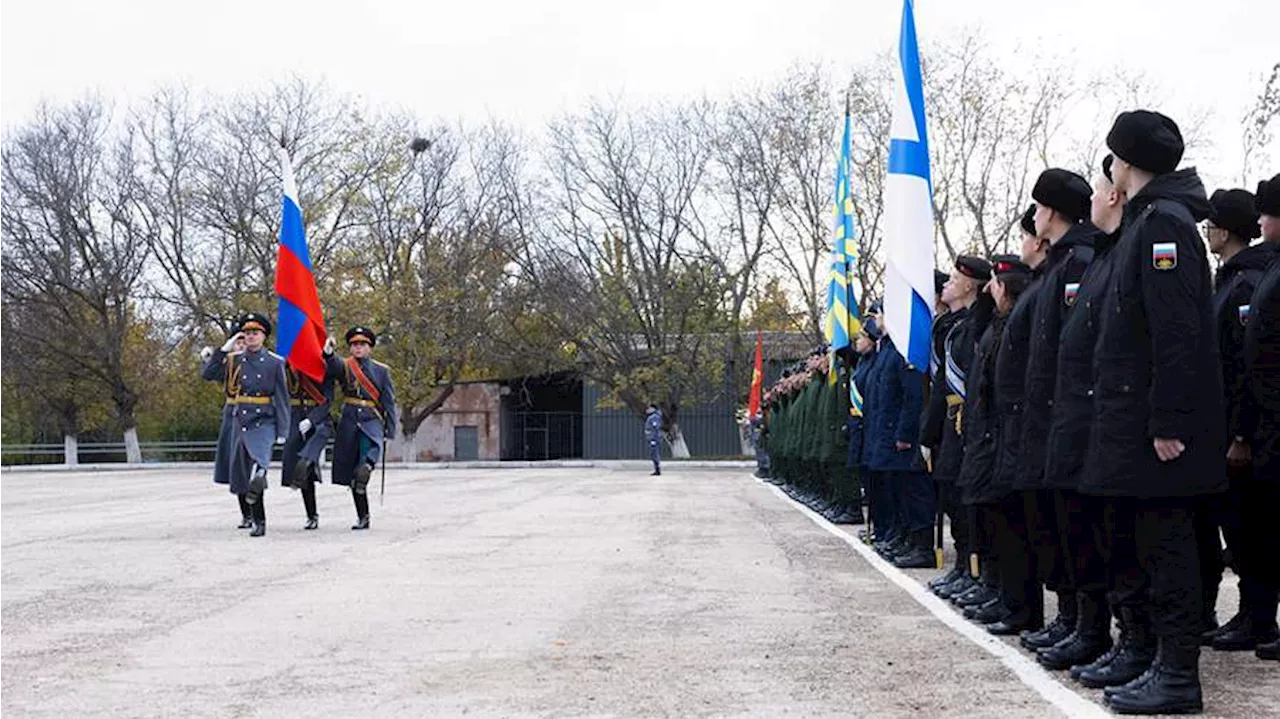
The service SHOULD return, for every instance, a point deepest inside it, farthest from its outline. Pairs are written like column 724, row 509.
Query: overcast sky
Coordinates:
column 525, row 61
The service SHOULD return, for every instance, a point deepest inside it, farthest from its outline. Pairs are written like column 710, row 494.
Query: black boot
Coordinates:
column 362, row 523
column 989, row 613
column 1060, row 628
column 957, row 568
column 1210, row 620
column 1271, row 651
column 959, row 587
column 362, row 511
column 1091, row 639
column 1134, row 656
column 920, row 553
column 1247, row 635
column 313, row 522
column 1174, row 684
column 246, row 514
column 259, row 519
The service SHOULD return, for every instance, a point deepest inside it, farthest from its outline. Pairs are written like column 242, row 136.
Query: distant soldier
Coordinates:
column 222, row 458
column 309, row 431
column 260, row 408
column 368, row 416
column 653, row 435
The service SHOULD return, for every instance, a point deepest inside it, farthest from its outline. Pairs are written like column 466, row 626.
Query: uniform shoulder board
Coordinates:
column 383, row 365
column 273, row 354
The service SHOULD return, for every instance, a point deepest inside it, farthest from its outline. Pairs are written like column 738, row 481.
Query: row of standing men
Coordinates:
column 269, row 402
column 1099, row 414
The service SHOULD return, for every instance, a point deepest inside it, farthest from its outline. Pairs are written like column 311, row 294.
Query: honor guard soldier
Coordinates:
column 260, row 408
column 1260, row 427
column 368, row 416
column 1158, row 440
column 222, row 457
column 943, row 419
column 309, row 432
column 1231, row 226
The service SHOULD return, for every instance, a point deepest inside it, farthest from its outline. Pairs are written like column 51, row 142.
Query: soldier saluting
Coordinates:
column 368, row 416
column 222, row 457
column 259, row 397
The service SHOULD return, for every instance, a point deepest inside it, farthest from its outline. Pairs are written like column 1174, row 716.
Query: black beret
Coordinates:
column 974, row 267
column 1106, row 166
column 1147, row 140
column 1064, row 191
column 1267, row 199
column 1003, row 265
column 254, row 321
column 1028, row 220
column 360, row 333
column 939, row 279
column 1234, row 211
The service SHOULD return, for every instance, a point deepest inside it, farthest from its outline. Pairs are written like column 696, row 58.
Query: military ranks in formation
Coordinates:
column 1100, row 416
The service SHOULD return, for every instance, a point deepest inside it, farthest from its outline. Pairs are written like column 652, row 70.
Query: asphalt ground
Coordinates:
column 526, row 592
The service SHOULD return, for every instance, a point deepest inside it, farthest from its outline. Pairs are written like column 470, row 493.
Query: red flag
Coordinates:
column 757, row 379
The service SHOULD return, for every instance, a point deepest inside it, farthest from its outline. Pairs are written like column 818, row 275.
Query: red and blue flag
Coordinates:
column 301, row 333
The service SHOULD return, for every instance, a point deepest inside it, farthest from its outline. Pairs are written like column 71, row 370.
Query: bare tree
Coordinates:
column 1257, row 123
column 618, row 274
column 71, row 263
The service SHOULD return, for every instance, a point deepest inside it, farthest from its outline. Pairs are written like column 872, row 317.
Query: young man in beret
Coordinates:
column 1260, row 427
column 260, row 410
column 980, row 487
column 1058, row 523
column 368, row 416
column 1158, row 437
column 1231, row 226
column 942, row 425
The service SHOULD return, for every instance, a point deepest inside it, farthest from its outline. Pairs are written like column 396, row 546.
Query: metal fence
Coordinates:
column 113, row 452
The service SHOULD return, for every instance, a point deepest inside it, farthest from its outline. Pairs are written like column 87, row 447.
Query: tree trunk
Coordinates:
column 71, row 449
column 132, row 452
column 679, row 448
column 744, row 436
column 409, row 445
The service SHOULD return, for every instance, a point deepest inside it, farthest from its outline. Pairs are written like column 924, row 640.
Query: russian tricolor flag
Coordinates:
column 301, row 323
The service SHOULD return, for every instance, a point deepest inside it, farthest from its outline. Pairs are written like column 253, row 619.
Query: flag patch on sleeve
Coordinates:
column 1243, row 312
column 1069, row 293
column 1164, row 255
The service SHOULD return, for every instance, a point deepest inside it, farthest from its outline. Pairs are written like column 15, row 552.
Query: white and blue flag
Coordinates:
column 908, row 293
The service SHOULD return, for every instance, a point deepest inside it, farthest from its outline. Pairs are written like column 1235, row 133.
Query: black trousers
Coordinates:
column 1219, row 519
column 1156, row 564
column 1041, row 508
column 1019, row 588
column 244, row 507
column 1083, row 543
column 309, row 499
column 1260, row 548
column 949, row 503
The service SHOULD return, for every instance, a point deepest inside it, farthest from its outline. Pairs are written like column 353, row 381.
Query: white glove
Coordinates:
column 206, row 353
column 230, row 344
column 279, row 440
column 304, row 426
column 926, row 453
column 329, row 346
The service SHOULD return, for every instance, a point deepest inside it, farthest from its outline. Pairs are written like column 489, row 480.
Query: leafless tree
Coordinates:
column 71, row 262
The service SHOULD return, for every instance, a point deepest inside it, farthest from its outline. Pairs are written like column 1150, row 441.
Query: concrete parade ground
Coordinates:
column 502, row 592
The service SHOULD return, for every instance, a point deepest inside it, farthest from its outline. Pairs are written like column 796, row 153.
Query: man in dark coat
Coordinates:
column 979, row 492
column 1229, row 229
column 943, row 417
column 260, row 404
column 310, row 428
column 226, row 430
column 892, row 425
column 1084, row 544
column 1158, row 440
column 1063, row 219
column 368, row 415
column 1022, row 593
column 1260, row 426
